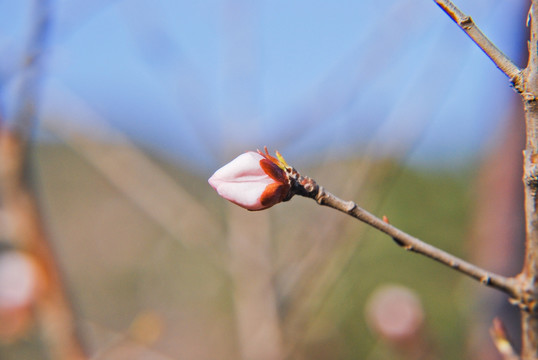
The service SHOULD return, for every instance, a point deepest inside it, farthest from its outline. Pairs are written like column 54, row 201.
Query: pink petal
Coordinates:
column 242, row 181
column 244, row 167
column 246, row 195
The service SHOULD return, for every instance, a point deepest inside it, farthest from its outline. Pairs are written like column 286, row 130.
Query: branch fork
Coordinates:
column 525, row 82
column 467, row 24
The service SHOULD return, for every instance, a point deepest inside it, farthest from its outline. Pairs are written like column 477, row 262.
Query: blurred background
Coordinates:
column 132, row 105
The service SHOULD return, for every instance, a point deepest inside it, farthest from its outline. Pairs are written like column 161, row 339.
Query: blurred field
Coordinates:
column 144, row 290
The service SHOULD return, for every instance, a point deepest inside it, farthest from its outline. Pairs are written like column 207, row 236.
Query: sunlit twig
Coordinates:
column 307, row 187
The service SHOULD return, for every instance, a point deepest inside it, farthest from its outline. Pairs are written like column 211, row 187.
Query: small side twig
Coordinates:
column 467, row 24
column 501, row 341
column 307, row 187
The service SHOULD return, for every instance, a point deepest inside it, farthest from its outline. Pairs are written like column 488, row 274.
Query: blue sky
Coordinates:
column 201, row 81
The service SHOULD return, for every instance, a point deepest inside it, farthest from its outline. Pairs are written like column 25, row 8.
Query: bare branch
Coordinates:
column 307, row 187
column 467, row 24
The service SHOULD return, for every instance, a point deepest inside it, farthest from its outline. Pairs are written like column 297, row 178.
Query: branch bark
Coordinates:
column 529, row 274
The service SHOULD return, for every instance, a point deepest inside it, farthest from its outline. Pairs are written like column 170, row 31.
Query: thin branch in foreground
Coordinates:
column 53, row 310
column 467, row 24
column 307, row 187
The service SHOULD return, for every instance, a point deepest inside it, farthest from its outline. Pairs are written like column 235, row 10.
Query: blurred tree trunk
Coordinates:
column 498, row 231
column 252, row 271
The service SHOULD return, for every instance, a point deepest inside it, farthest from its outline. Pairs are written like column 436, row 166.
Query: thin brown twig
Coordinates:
column 467, row 24
column 307, row 187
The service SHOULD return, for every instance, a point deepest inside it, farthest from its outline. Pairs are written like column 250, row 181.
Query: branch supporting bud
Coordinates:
column 259, row 174
column 307, row 187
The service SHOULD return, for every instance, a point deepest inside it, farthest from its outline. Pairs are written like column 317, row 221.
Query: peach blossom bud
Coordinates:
column 253, row 181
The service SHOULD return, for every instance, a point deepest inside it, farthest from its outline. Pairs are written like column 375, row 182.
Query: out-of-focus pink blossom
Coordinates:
column 18, row 280
column 21, row 282
column 395, row 312
column 254, row 181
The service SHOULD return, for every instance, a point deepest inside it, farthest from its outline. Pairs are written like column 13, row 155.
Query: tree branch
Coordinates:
column 307, row 187
column 529, row 273
column 467, row 24
column 526, row 83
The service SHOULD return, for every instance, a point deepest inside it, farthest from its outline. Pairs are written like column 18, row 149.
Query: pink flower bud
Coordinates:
column 254, row 181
